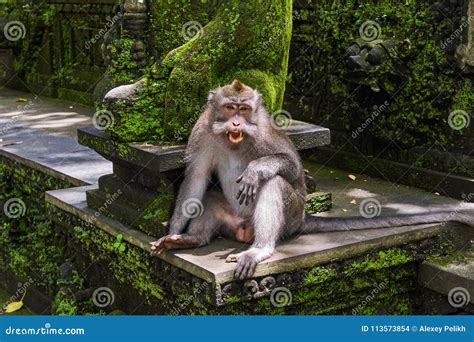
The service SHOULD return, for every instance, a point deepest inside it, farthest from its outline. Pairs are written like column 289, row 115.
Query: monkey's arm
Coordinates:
column 264, row 168
column 191, row 192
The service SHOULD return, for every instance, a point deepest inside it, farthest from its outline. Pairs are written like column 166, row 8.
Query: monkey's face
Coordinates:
column 234, row 122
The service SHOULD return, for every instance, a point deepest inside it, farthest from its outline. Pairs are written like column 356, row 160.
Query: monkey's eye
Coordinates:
column 245, row 109
column 229, row 108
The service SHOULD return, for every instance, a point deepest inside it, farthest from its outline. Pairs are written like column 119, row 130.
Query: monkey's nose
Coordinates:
column 236, row 123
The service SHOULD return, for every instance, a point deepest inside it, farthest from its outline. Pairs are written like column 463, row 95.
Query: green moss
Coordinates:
column 318, row 202
column 319, row 275
column 419, row 80
column 383, row 259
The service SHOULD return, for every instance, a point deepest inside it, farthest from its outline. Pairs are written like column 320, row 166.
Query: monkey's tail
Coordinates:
column 315, row 224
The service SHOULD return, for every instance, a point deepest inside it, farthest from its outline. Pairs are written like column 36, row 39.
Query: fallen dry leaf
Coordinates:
column 352, row 177
column 12, row 307
column 353, row 202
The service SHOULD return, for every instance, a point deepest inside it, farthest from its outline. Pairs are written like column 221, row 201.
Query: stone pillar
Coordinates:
column 465, row 51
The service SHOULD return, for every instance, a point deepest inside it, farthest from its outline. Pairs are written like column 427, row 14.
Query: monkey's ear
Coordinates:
column 211, row 95
column 237, row 85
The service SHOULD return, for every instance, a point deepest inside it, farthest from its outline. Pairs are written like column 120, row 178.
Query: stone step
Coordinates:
column 160, row 158
column 138, row 197
column 149, row 222
column 452, row 276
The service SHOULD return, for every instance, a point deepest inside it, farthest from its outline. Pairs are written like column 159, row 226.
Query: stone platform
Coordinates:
column 301, row 253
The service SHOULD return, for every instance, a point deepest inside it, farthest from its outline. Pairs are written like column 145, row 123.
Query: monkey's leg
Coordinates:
column 201, row 229
column 274, row 210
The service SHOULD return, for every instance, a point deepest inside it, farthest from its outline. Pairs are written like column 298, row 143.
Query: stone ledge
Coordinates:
column 208, row 262
column 162, row 158
column 442, row 278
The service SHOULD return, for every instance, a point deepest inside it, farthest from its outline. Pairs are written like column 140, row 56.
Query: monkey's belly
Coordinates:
column 228, row 173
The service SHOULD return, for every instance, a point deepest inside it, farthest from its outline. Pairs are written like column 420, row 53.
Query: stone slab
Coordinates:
column 162, row 158
column 209, row 263
column 435, row 181
column 443, row 278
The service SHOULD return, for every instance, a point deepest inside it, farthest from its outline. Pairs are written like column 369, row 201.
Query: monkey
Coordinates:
column 262, row 190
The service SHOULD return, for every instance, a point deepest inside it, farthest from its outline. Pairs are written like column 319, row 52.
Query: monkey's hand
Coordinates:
column 249, row 184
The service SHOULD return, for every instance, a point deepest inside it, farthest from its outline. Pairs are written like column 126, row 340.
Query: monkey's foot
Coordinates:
column 247, row 261
column 173, row 242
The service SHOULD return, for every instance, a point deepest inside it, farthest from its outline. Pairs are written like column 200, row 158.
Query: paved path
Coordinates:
column 44, row 131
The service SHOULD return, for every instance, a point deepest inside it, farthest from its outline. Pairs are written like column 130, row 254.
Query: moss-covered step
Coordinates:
column 147, row 221
column 452, row 275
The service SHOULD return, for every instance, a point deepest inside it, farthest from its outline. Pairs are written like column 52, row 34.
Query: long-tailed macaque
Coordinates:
column 262, row 189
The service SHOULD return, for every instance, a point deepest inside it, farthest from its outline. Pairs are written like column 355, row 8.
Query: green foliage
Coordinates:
column 119, row 245
column 418, row 81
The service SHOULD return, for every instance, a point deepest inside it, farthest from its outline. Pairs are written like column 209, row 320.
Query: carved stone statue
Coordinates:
column 166, row 55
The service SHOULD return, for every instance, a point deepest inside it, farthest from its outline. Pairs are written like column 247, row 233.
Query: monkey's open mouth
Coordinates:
column 235, row 137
